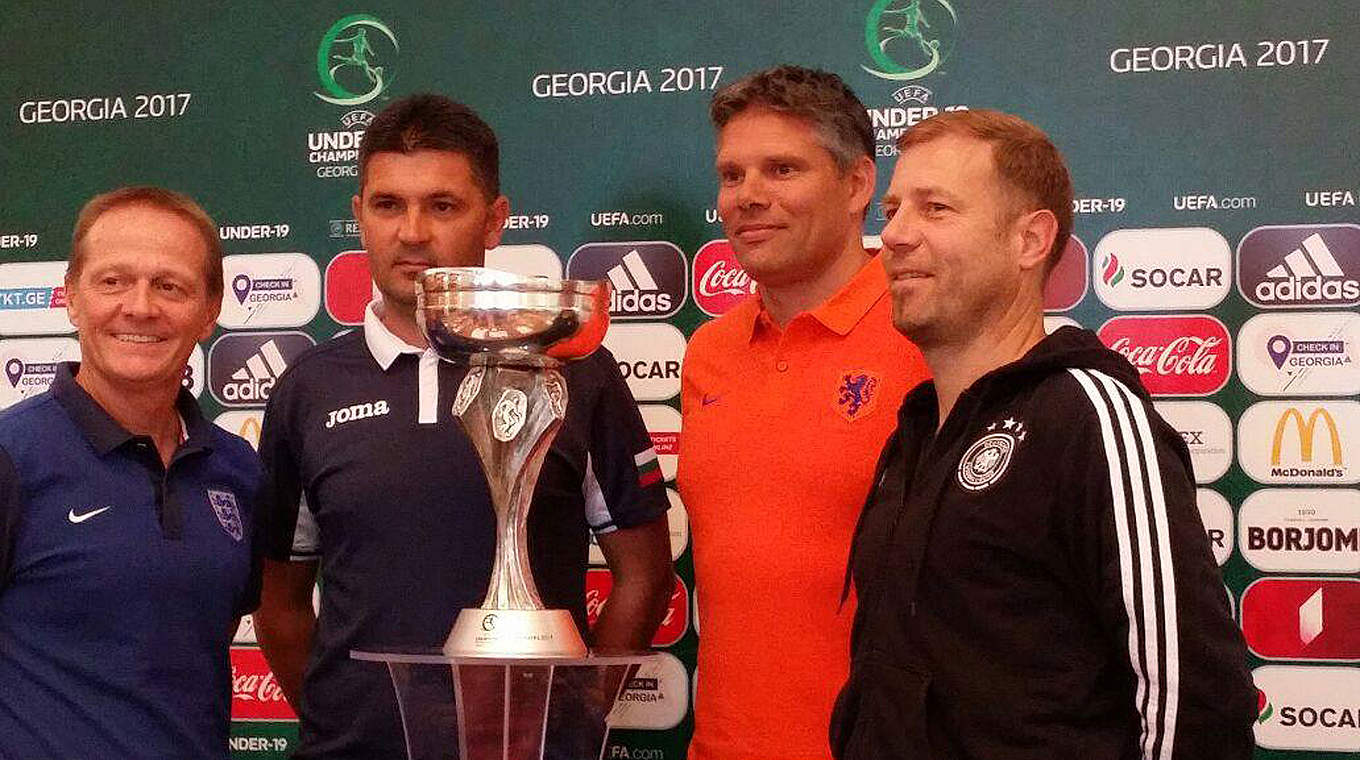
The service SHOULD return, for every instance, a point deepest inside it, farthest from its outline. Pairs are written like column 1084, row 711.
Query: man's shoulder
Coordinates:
column 346, row 346
column 1080, row 406
column 234, row 450
column 729, row 331
column 321, row 363
column 30, row 419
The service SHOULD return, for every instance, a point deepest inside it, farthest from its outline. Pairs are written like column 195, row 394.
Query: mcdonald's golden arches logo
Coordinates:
column 1300, row 441
column 1307, row 430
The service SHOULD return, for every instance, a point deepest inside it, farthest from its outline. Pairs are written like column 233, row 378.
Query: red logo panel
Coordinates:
column 665, row 443
column 1066, row 284
column 349, row 287
column 1185, row 355
column 719, row 281
column 255, row 693
column 599, row 582
column 1303, row 618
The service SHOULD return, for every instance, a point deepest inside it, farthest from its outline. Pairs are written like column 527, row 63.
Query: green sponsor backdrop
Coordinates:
column 223, row 101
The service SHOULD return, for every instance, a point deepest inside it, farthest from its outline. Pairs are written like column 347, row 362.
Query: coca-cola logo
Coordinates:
column 599, row 582
column 255, row 692
column 719, row 281
column 1188, row 355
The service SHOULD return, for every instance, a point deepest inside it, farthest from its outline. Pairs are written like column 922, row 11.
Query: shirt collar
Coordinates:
column 843, row 310
column 102, row 430
column 382, row 343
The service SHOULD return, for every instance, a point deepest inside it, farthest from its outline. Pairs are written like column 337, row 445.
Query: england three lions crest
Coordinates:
column 228, row 514
column 988, row 458
column 856, row 393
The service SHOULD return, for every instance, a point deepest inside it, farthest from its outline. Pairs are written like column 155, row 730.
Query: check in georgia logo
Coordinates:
column 346, row 58
column 909, row 40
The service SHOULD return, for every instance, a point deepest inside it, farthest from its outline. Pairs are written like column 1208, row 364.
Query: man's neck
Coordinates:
column 955, row 367
column 786, row 301
column 140, row 409
column 401, row 322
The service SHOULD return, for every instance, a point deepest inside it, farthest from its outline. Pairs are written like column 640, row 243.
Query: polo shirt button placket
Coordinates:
column 782, row 366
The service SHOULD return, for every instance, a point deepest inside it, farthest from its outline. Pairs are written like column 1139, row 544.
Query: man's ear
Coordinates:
column 863, row 176
column 214, row 311
column 495, row 222
column 72, row 300
column 1036, row 231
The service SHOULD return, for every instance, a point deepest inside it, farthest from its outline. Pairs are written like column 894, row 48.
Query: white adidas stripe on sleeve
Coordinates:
column 1138, row 499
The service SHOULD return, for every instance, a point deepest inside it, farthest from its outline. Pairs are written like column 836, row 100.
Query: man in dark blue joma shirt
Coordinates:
column 125, row 517
column 372, row 483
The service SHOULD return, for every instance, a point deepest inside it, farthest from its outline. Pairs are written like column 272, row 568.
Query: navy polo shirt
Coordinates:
column 119, row 581
column 368, row 471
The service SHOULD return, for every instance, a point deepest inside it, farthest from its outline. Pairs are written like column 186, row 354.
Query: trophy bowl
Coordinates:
column 478, row 316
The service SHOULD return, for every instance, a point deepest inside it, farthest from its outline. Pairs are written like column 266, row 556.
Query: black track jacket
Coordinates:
column 1034, row 580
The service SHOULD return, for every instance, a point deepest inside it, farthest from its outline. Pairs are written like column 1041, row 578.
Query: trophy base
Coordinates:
column 514, row 633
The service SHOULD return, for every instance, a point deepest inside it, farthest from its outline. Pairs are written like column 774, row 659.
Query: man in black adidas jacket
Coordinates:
column 1033, row 578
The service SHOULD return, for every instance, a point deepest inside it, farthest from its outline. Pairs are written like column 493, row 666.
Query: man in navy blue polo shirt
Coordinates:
column 371, row 479
column 125, row 517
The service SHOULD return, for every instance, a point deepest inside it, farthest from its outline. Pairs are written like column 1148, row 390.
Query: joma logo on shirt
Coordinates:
column 356, row 412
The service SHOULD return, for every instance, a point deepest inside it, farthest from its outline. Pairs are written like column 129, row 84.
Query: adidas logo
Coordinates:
column 253, row 381
column 635, row 290
column 1308, row 273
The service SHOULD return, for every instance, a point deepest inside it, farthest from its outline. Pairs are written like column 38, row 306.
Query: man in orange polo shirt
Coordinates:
column 786, row 400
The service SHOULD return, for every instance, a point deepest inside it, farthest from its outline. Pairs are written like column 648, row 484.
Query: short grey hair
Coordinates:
column 822, row 98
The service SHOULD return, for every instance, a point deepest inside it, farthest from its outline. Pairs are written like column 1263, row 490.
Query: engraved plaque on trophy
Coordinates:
column 513, row 333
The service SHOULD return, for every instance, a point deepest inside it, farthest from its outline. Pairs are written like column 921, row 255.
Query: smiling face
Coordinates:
column 954, row 248
column 141, row 299
column 787, row 208
column 419, row 210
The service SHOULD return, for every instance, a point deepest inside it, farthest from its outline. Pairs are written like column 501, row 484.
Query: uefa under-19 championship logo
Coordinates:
column 908, row 39
column 347, row 60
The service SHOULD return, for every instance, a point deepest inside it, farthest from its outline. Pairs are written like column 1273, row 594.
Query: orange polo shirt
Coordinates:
column 781, row 431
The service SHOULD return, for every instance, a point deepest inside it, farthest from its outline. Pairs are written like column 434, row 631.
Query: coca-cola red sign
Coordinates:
column 599, row 582
column 719, row 281
column 1181, row 355
column 255, row 692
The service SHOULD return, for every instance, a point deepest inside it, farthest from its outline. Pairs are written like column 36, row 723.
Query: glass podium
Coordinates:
column 506, row 708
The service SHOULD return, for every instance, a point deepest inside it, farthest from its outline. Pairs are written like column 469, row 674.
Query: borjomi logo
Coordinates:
column 1111, row 271
column 345, row 61
column 908, row 40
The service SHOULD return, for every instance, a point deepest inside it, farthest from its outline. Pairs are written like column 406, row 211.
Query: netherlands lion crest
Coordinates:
column 856, row 393
column 987, row 459
column 228, row 514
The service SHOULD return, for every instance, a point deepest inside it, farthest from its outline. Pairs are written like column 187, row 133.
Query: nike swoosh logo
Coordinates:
column 75, row 518
column 710, row 399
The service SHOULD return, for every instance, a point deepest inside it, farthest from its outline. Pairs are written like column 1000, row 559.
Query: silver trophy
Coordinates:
column 513, row 333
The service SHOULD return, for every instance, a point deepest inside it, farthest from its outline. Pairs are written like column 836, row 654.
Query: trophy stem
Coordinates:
column 511, row 415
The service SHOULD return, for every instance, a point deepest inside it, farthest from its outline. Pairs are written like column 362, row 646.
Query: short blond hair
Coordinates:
column 158, row 198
